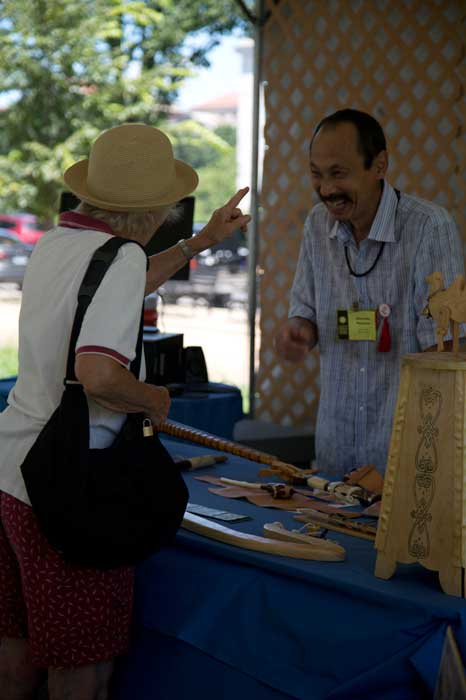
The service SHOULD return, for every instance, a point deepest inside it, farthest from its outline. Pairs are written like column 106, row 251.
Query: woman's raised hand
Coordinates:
column 225, row 221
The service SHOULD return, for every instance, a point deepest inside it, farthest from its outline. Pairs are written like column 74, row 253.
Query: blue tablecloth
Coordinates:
column 6, row 386
column 221, row 623
column 229, row 623
column 214, row 408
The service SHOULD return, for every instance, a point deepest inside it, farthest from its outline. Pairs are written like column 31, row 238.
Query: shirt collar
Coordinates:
column 74, row 219
column 383, row 226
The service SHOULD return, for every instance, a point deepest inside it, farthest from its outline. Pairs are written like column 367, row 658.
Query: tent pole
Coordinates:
column 255, row 213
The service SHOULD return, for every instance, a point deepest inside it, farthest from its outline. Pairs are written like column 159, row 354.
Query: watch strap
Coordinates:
column 187, row 252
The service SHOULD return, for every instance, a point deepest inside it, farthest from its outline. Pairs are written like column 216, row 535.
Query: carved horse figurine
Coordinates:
column 446, row 306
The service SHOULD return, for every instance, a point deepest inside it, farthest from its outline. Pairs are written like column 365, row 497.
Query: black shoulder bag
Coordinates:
column 102, row 508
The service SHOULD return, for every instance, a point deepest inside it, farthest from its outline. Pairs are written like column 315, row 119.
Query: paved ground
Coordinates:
column 10, row 301
column 222, row 333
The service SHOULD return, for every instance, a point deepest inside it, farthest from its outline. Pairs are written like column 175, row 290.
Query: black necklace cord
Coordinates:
column 363, row 274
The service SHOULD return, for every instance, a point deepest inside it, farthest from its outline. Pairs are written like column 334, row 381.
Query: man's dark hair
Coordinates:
column 371, row 139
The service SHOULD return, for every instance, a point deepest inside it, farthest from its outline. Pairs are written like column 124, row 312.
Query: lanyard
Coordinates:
column 363, row 274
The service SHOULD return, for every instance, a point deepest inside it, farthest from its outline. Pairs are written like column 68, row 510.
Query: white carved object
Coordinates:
column 320, row 550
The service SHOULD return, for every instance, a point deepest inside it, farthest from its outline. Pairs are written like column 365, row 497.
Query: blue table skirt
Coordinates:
column 162, row 667
column 215, row 409
column 6, row 385
column 292, row 628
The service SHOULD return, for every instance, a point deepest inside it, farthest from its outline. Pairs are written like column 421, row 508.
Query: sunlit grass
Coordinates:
column 245, row 394
column 8, row 362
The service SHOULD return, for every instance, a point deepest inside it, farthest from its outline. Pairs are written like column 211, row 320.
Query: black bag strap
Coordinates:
column 98, row 266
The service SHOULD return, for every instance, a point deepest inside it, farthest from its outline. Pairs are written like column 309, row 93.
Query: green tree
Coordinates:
column 214, row 159
column 195, row 143
column 75, row 69
column 217, row 183
column 227, row 132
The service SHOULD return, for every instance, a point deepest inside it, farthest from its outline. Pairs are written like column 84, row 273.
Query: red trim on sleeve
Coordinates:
column 99, row 350
column 74, row 219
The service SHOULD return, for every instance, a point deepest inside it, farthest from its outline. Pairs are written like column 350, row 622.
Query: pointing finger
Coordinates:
column 236, row 199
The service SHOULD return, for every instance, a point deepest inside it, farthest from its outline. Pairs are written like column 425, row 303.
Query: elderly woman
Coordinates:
column 57, row 617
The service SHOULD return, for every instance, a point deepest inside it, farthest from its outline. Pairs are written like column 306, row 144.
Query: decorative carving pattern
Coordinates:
column 393, row 456
column 459, row 474
column 404, row 62
column 426, row 461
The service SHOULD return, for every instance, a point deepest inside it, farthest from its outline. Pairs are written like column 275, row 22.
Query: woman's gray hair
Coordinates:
column 134, row 225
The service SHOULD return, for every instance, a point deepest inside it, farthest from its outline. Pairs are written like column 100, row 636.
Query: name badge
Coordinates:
column 356, row 325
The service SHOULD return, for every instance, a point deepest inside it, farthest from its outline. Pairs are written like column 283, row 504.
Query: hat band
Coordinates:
column 124, row 195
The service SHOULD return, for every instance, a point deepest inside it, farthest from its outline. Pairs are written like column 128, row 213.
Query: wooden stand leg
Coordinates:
column 385, row 566
column 451, row 578
column 456, row 335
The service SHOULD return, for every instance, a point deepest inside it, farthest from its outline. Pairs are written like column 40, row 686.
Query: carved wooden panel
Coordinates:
column 404, row 62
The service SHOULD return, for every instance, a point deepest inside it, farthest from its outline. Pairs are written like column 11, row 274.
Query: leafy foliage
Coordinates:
column 73, row 70
column 227, row 132
column 195, row 144
column 213, row 158
column 216, row 185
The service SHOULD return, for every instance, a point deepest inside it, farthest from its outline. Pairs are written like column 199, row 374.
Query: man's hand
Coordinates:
column 224, row 222
column 295, row 338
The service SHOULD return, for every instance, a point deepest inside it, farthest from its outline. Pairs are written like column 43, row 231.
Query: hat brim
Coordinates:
column 186, row 182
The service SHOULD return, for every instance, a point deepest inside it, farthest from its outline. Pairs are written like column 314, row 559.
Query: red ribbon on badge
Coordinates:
column 384, row 340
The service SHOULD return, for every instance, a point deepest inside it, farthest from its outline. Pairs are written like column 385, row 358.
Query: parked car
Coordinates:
column 217, row 277
column 14, row 257
column 25, row 226
column 232, row 251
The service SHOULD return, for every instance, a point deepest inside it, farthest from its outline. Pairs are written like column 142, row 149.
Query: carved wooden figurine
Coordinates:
column 446, row 306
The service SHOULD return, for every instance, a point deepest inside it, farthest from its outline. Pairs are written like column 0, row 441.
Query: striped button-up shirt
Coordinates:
column 359, row 384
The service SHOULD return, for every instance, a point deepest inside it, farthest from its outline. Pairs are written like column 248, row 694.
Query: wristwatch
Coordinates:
column 187, row 252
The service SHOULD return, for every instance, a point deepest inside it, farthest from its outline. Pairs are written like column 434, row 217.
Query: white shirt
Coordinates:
column 110, row 327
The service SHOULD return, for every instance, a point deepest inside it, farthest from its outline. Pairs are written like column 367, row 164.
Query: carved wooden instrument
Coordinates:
column 275, row 490
column 369, row 479
column 190, row 464
column 287, row 471
column 337, row 523
column 323, row 551
column 327, row 547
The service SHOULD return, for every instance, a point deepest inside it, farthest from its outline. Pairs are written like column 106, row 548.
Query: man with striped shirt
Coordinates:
column 366, row 248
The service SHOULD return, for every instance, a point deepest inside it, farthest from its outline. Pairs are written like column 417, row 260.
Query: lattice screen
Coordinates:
column 402, row 61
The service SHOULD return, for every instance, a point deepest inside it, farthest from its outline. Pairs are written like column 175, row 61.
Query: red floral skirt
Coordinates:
column 71, row 615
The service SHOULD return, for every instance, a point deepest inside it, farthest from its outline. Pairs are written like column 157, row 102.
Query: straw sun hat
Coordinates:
column 131, row 168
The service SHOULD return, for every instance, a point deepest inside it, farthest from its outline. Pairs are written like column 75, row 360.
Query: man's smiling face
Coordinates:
column 350, row 191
